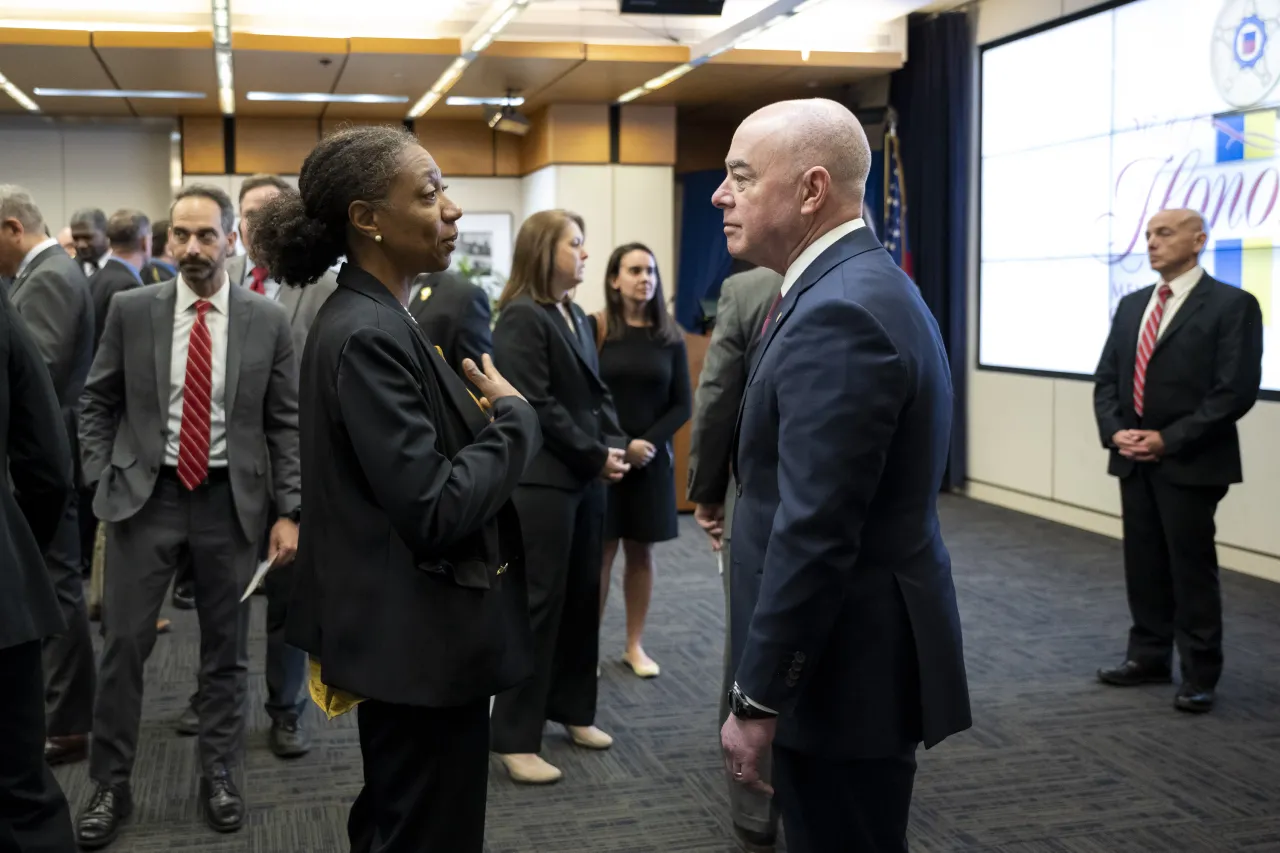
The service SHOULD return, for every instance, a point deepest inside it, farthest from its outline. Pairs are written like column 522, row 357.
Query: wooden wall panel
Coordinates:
column 203, row 146
column 275, row 145
column 566, row 133
column 647, row 135
column 329, row 125
column 535, row 146
column 507, row 159
column 702, row 145
column 460, row 148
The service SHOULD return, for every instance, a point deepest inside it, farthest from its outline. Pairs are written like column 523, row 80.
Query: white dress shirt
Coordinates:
column 32, row 255
column 218, row 321
column 269, row 284
column 1181, row 287
column 816, row 248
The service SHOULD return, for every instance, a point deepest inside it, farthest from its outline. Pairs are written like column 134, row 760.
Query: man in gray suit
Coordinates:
column 52, row 296
column 745, row 301
column 286, row 666
column 191, row 405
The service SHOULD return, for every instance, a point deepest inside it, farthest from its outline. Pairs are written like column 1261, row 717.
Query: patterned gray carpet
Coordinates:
column 1054, row 764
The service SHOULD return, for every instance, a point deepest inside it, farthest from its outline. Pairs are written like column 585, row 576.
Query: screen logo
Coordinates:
column 1246, row 48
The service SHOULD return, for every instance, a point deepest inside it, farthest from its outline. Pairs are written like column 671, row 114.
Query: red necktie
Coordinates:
column 1147, row 345
column 197, row 396
column 767, row 317
column 259, row 277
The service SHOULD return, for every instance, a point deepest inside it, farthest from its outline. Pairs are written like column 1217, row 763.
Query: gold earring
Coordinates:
column 377, row 238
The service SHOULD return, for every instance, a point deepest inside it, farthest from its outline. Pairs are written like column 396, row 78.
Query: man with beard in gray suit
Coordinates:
column 191, row 407
column 286, row 666
column 52, row 296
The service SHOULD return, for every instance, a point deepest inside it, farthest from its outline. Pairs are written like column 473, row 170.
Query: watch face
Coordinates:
column 1245, row 56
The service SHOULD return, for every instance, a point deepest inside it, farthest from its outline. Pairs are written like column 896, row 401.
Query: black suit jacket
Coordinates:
column 35, row 459
column 845, row 618
column 410, row 585
column 456, row 317
column 557, row 371
column 1203, row 376
column 114, row 277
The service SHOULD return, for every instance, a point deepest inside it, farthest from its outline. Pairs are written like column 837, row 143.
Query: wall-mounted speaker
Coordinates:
column 670, row 7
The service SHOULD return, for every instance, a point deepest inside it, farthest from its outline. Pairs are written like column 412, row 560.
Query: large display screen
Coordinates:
column 1089, row 128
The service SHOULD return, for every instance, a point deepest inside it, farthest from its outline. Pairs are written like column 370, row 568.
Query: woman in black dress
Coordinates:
column 643, row 361
column 544, row 344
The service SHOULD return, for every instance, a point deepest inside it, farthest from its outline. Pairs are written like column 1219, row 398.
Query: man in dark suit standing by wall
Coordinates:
column 191, row 406
column 745, row 300
column 1182, row 364
column 846, row 633
column 129, row 235
column 161, row 266
column 35, row 460
column 50, row 293
column 89, row 235
column 287, row 671
column 456, row 316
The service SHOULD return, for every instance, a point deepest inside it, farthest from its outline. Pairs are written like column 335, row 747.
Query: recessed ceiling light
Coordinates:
column 461, row 101
column 114, row 93
column 327, row 98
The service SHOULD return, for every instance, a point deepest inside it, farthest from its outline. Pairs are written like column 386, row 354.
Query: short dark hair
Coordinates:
column 127, row 230
column 299, row 234
column 254, row 182
column 91, row 216
column 213, row 194
column 159, row 237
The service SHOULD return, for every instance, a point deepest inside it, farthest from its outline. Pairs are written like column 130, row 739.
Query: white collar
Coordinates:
column 32, row 255
column 188, row 297
column 1181, row 285
column 816, row 248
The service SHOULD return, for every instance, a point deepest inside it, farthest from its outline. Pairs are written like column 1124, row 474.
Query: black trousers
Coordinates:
column 70, row 670
column 858, row 806
column 34, row 817
column 1171, row 574
column 563, row 547
column 426, row 776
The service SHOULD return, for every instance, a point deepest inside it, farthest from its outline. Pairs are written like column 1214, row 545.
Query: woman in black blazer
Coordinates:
column 409, row 591
column 544, row 344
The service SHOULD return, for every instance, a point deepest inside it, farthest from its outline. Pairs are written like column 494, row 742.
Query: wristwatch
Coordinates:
column 744, row 710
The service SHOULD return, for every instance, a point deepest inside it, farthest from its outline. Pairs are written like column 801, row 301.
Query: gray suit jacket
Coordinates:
column 745, row 299
column 301, row 304
column 124, row 424
column 52, row 296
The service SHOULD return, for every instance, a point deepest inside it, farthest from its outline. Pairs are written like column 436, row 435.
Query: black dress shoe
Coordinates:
column 100, row 822
column 184, row 597
column 1193, row 700
column 66, row 750
column 753, row 842
column 287, row 739
column 188, row 724
column 1131, row 674
column 223, row 806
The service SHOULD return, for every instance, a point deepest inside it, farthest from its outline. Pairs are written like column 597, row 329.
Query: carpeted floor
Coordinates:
column 1054, row 764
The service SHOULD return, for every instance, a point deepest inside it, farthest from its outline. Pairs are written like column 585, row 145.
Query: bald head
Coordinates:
column 796, row 170
column 1175, row 239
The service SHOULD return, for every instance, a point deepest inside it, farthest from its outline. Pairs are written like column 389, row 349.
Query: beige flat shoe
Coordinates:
column 589, row 737
column 646, row 667
column 530, row 769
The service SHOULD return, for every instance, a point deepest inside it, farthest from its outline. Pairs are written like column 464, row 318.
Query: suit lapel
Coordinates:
column 1193, row 303
column 31, row 267
column 573, row 336
column 455, row 391
column 291, row 299
column 238, row 323
column 162, row 308
column 235, row 270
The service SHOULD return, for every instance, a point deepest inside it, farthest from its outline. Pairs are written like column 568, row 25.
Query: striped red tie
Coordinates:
column 1147, row 345
column 767, row 317
column 197, row 396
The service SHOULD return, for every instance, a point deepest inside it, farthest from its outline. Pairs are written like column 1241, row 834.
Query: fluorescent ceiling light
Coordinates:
column 18, row 95
column 506, row 11
column 461, row 101
column 95, row 26
column 222, row 61
column 327, row 98
column 114, row 93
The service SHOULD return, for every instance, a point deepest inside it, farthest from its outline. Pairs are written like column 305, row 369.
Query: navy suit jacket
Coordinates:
column 845, row 617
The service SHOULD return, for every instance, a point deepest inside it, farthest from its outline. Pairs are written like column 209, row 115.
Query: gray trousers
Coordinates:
column 750, row 809
column 175, row 526
column 68, row 657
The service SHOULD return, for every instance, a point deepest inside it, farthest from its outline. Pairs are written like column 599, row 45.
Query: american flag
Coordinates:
column 895, row 200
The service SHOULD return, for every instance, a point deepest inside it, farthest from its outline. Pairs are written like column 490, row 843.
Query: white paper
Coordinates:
column 258, row 575
column 720, row 563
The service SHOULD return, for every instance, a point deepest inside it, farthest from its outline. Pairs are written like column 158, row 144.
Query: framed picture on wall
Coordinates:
column 483, row 253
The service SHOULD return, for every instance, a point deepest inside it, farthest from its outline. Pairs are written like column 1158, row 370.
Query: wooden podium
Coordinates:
column 696, row 346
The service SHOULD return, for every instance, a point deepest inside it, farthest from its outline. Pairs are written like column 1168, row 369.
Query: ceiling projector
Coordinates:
column 506, row 120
